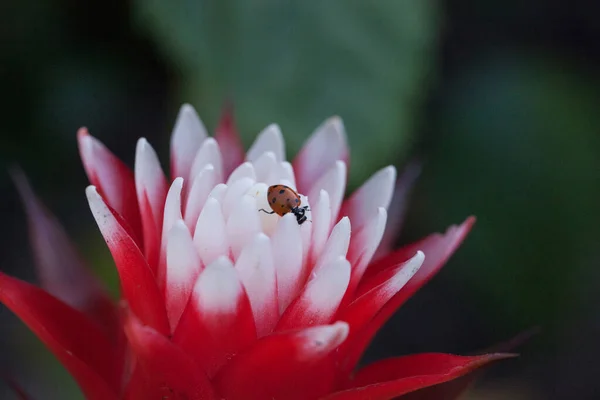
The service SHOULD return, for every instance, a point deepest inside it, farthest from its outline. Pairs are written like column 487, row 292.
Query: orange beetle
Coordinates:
column 283, row 199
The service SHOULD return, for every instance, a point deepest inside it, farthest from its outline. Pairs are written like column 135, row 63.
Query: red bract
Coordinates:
column 220, row 300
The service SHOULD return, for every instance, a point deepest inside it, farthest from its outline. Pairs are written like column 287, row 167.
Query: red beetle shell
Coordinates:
column 283, row 199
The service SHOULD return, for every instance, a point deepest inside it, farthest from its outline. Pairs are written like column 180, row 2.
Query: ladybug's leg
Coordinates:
column 266, row 212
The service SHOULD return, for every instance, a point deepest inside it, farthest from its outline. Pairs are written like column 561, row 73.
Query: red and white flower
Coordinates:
column 219, row 300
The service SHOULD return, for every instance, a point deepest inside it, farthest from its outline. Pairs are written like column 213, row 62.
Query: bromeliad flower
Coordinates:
column 233, row 288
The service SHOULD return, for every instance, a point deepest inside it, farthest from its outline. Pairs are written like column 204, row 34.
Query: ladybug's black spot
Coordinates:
column 273, row 200
column 297, row 201
column 282, row 191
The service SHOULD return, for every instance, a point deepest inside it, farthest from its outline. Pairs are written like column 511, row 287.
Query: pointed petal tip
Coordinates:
column 93, row 196
column 338, row 131
column 413, row 265
column 273, row 133
column 211, row 141
column 187, row 108
column 345, row 223
column 270, row 136
column 329, row 336
column 462, row 229
column 419, row 256
column 470, row 221
column 141, row 145
column 338, row 123
column 178, row 182
column 188, row 133
column 514, row 342
column 88, row 145
column 91, row 191
column 376, row 192
column 388, row 175
column 82, row 132
column 273, row 129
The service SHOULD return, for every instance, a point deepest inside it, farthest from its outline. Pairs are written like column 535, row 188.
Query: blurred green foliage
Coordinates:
column 517, row 145
column 297, row 63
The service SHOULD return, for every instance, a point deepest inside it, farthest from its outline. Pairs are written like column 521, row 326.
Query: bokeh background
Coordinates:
column 498, row 100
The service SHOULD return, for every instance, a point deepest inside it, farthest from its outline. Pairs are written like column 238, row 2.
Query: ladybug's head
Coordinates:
column 300, row 213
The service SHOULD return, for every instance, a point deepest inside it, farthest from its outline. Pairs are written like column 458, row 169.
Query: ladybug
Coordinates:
column 283, row 199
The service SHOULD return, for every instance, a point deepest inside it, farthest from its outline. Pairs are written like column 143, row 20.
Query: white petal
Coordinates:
column 266, row 166
column 374, row 193
column 336, row 246
column 405, row 272
column 109, row 172
column 321, row 223
column 110, row 228
column 245, row 170
column 138, row 285
column 256, row 271
column 210, row 236
column 306, row 229
column 183, row 267
column 188, row 134
column 364, row 244
column 218, row 192
column 269, row 140
column 149, row 179
column 171, row 214
column 380, row 290
column 323, row 339
column 208, row 153
column 218, row 288
column 233, row 195
column 268, row 221
column 172, row 211
column 287, row 257
column 397, row 208
column 243, row 224
column 199, row 192
column 319, row 302
column 288, row 173
column 324, row 147
column 283, row 173
column 334, row 182
column 328, row 287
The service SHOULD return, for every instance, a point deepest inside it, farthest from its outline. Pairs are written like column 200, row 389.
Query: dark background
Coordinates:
column 500, row 101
